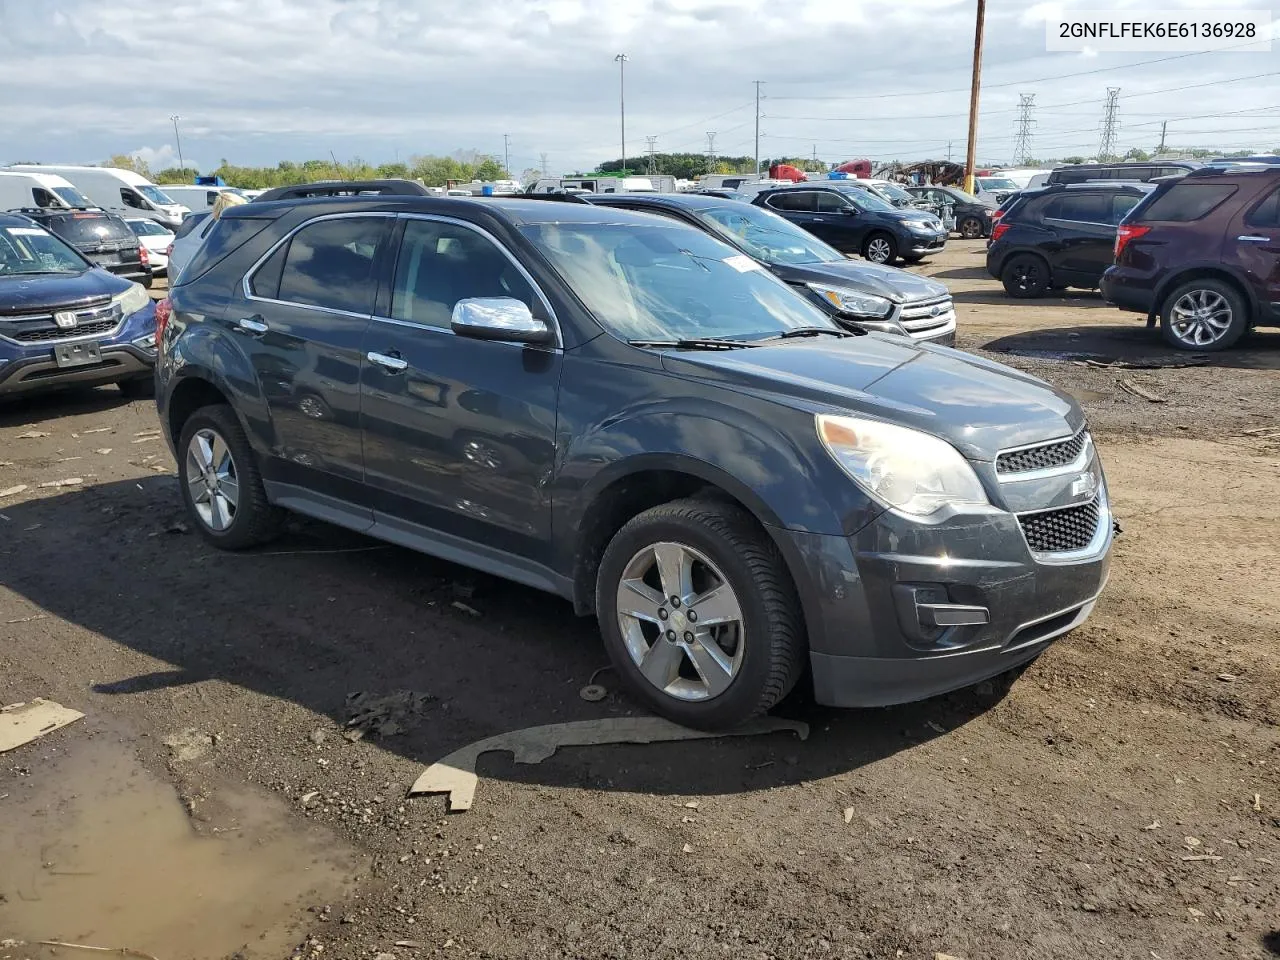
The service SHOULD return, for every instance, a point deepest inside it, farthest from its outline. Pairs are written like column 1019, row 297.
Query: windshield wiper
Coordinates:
column 695, row 343
column 810, row 332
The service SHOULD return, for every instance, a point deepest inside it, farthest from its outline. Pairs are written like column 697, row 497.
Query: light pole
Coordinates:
column 506, row 155
column 175, row 118
column 622, row 105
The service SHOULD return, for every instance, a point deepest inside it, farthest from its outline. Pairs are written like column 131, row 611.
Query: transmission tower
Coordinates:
column 1024, row 123
column 652, row 151
column 543, row 158
column 1110, row 125
column 711, row 151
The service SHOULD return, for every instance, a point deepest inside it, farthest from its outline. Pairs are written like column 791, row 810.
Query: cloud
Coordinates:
column 257, row 81
column 161, row 158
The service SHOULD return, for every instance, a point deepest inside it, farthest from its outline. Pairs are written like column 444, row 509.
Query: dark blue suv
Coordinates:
column 854, row 220
column 625, row 411
column 64, row 320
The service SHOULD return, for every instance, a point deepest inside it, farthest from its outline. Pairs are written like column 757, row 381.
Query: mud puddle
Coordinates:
column 96, row 850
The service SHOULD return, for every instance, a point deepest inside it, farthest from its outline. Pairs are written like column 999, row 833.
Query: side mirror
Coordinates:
column 498, row 318
column 850, row 211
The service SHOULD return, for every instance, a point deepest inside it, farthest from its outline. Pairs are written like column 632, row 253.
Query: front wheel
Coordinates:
column 1026, row 277
column 220, row 482
column 880, row 248
column 1205, row 315
column 699, row 614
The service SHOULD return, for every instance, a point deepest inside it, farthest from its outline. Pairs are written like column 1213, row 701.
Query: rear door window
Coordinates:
column 330, row 263
column 1079, row 208
column 1185, row 201
column 794, row 201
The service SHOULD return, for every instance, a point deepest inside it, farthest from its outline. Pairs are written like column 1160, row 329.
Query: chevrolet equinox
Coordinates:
column 626, row 412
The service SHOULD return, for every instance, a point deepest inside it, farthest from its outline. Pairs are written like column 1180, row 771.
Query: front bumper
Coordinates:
column 871, row 602
column 920, row 245
column 31, row 368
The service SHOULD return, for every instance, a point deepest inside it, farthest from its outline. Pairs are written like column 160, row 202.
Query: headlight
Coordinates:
column 911, row 471
column 132, row 300
column 853, row 302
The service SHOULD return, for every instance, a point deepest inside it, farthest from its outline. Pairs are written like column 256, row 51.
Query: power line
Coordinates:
column 1022, row 147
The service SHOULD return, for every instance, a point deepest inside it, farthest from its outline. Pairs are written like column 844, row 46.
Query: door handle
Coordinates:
column 818, row 220
column 1252, row 239
column 253, row 325
column 393, row 364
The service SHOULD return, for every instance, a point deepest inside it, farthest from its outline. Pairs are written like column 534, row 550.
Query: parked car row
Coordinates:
column 1199, row 252
column 637, row 410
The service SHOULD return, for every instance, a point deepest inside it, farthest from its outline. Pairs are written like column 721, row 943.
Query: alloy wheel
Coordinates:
column 1200, row 318
column 212, row 480
column 681, row 621
column 879, row 251
column 970, row 229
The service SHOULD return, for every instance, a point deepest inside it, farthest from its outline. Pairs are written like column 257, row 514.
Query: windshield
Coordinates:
column 668, row 282
column 155, row 194
column 72, row 196
column 26, row 250
column 895, row 192
column 147, row 228
column 767, row 236
column 997, row 183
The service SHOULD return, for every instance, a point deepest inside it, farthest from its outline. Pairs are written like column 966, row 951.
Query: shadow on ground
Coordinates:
column 1135, row 343
column 323, row 613
column 54, row 405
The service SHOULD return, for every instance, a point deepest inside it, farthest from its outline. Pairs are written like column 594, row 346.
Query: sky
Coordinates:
column 259, row 81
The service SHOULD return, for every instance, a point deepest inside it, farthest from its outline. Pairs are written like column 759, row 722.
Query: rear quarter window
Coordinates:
column 1184, row 202
column 228, row 235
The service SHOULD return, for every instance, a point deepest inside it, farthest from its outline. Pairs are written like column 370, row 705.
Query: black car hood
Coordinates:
column 900, row 286
column 35, row 293
column 979, row 406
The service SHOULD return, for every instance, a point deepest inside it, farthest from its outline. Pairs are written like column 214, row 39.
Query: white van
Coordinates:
column 196, row 198
column 121, row 192
column 660, row 184
column 20, row 190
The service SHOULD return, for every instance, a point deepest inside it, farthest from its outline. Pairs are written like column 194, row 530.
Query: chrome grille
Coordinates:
column 42, row 328
column 919, row 317
column 1059, row 531
column 1044, row 457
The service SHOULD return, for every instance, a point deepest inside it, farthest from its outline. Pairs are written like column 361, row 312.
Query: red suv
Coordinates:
column 1202, row 253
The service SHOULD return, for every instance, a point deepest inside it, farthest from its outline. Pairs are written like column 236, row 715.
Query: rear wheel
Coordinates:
column 221, row 485
column 1025, row 276
column 1205, row 315
column 699, row 615
column 971, row 228
column 880, row 247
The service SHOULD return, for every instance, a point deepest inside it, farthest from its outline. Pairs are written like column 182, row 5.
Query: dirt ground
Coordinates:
column 1119, row 798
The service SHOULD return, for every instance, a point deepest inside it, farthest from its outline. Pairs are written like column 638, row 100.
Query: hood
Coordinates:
column 46, row 292
column 900, row 286
column 915, row 213
column 980, row 407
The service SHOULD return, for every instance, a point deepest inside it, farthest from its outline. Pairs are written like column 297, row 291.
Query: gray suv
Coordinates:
column 633, row 415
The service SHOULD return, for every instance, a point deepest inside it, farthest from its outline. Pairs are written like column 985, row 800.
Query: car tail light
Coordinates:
column 998, row 230
column 1127, row 233
column 144, row 256
column 164, row 310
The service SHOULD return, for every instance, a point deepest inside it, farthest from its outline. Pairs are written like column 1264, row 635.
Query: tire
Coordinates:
column 251, row 520
column 760, row 654
column 139, row 388
column 1026, row 276
column 151, row 279
column 880, row 247
column 1204, row 315
column 970, row 228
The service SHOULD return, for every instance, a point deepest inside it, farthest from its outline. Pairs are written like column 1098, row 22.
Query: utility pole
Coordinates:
column 622, row 105
column 757, row 83
column 711, row 151
column 175, row 118
column 1163, row 128
column 506, row 155
column 652, row 150
column 543, row 158
column 1110, row 124
column 970, row 162
column 948, row 151
column 1022, row 147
